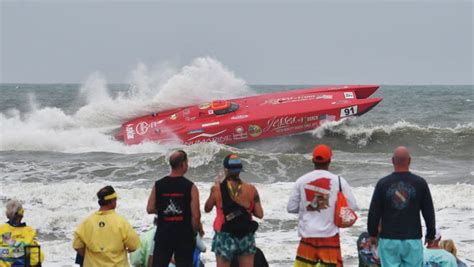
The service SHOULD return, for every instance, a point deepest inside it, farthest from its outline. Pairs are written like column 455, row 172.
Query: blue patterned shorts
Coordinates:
column 227, row 246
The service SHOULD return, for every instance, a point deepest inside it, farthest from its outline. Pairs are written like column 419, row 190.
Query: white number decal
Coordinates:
column 348, row 111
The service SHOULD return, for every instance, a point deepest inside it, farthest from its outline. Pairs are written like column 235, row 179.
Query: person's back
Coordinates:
column 404, row 195
column 396, row 203
column 17, row 239
column 104, row 238
column 236, row 202
column 313, row 198
column 450, row 247
column 175, row 200
column 13, row 238
column 104, row 244
column 438, row 257
column 318, row 190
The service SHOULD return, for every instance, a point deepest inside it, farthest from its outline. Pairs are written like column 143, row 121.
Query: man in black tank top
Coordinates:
column 175, row 200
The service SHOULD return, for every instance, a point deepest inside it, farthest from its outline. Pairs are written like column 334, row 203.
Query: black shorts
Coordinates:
column 166, row 246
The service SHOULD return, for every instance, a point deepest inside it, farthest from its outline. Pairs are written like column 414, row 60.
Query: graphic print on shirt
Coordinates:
column 317, row 194
column 400, row 194
column 173, row 211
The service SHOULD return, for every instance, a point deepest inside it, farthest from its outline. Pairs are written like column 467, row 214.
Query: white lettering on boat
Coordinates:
column 130, row 132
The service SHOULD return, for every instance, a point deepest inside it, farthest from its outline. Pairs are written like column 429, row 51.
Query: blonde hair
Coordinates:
column 449, row 246
column 12, row 208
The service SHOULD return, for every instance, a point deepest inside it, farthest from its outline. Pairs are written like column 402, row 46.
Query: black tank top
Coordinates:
column 173, row 203
column 237, row 220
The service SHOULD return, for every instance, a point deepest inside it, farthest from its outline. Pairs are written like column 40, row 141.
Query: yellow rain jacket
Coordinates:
column 14, row 241
column 106, row 237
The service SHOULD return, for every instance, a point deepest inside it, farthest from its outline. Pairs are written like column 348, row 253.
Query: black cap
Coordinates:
column 106, row 193
column 233, row 163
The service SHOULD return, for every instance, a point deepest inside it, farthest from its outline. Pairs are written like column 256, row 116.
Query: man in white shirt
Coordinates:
column 313, row 198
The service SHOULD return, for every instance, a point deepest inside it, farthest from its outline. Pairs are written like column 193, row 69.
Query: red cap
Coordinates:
column 322, row 154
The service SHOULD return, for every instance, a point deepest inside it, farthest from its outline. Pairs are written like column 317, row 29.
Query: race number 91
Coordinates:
column 348, row 111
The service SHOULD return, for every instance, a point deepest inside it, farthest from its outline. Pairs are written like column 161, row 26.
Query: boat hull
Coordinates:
column 251, row 118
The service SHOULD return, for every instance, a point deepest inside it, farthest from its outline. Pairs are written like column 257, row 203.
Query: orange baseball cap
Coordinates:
column 322, row 153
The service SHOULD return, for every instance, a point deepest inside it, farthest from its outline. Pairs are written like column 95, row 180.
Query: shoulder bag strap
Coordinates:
column 340, row 187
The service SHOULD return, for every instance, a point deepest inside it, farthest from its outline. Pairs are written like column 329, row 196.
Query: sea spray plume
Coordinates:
column 163, row 88
column 205, row 79
column 100, row 109
column 95, row 89
column 147, row 83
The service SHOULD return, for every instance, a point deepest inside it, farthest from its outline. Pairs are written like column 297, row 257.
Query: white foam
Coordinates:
column 56, row 210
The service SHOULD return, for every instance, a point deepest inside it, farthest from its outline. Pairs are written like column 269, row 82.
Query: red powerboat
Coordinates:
column 251, row 118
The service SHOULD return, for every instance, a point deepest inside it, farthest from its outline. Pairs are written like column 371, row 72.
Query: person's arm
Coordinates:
column 195, row 210
column 151, row 205
column 150, row 261
column 294, row 201
column 77, row 243
column 427, row 209
column 131, row 240
column 375, row 212
column 347, row 190
column 210, row 202
column 257, row 208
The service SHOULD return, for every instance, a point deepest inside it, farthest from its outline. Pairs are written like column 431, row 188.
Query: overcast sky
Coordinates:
column 319, row 42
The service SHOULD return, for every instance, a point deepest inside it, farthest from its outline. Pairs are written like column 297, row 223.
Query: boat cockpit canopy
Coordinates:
column 221, row 107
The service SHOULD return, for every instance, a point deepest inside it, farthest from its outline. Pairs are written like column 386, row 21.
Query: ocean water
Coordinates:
column 57, row 150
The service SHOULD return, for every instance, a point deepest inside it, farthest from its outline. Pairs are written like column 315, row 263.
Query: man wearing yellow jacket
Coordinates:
column 17, row 240
column 104, row 238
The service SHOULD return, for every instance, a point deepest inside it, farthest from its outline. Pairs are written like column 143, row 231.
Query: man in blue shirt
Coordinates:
column 396, row 203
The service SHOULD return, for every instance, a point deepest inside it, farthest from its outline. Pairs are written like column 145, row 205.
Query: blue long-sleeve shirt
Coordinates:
column 397, row 201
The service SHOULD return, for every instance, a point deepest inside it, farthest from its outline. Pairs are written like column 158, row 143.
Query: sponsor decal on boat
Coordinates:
column 255, row 130
column 210, row 124
column 239, row 117
column 240, row 133
column 297, row 127
column 207, row 135
column 142, row 128
column 348, row 95
column 293, row 99
column 195, row 131
column 130, row 132
column 277, row 123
